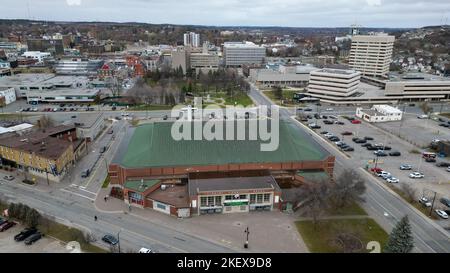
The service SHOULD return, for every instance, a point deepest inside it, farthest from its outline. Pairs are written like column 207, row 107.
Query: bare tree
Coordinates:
column 348, row 188
column 409, row 192
column 314, row 198
column 426, row 108
column 45, row 122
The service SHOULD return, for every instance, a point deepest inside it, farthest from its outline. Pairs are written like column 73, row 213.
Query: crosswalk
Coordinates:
column 80, row 191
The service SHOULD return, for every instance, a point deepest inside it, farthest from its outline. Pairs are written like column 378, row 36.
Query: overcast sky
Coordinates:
column 293, row 13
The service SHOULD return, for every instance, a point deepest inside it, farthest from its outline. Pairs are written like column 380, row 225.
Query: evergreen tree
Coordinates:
column 32, row 218
column 400, row 239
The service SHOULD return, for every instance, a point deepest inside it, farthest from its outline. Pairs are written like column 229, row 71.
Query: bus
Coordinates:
column 426, row 155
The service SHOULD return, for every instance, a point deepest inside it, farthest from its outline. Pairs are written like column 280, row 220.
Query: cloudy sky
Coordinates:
column 294, row 13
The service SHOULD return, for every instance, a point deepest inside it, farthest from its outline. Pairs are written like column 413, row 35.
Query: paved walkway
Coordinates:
column 269, row 231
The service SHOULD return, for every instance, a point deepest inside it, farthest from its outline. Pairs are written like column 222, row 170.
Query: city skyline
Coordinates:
column 285, row 13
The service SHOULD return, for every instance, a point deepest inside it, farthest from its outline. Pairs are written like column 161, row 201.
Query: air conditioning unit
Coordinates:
column 163, row 187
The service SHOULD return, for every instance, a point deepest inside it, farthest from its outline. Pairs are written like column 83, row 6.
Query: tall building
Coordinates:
column 371, row 54
column 333, row 84
column 46, row 45
column 240, row 53
column 192, row 39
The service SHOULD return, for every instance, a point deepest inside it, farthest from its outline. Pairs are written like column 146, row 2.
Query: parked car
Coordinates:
column 424, row 201
column 444, row 125
column 339, row 122
column 327, row 122
column 393, row 180
column 386, row 176
column 380, row 153
column 395, row 153
column 430, row 160
column 383, row 173
column 8, row 177
column 307, row 109
column 7, row 225
column 328, row 135
column 329, row 109
column 445, row 201
column 111, row 131
column 448, row 169
column 405, row 167
column 348, row 149
column 359, row 140
column 165, row 117
column 346, row 133
column 422, row 117
column 355, row 121
column 323, row 132
column 416, row 175
column 145, row 250
column 334, row 138
column 368, row 138
column 443, row 164
column 2, row 221
column 110, row 239
column 33, row 238
column 314, row 126
column 371, row 148
column 24, row 234
column 376, row 170
column 441, row 214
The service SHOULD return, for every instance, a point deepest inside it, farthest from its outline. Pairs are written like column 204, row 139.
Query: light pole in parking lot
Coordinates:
column 118, row 238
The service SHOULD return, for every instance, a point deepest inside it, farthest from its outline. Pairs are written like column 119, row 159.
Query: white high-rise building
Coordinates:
column 371, row 54
column 192, row 39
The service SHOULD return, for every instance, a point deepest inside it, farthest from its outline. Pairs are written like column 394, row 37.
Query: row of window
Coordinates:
column 216, row 201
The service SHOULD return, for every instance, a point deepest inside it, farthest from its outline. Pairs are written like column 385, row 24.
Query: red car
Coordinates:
column 376, row 170
column 7, row 225
column 355, row 121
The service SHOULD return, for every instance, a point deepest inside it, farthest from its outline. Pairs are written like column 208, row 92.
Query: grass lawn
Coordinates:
column 417, row 205
column 319, row 240
column 106, row 182
column 67, row 234
column 353, row 209
column 146, row 107
column 240, row 99
column 287, row 97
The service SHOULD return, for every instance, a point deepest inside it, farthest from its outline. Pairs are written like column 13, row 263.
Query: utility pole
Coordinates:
column 118, row 238
column 432, row 204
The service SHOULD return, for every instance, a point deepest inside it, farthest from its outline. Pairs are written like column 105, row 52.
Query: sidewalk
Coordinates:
column 269, row 231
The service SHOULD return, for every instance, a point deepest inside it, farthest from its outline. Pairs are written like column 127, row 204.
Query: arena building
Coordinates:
column 191, row 177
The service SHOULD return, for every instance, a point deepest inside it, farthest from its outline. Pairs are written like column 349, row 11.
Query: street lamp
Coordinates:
column 246, row 242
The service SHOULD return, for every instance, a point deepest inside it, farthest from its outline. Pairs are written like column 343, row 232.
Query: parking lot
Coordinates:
column 419, row 132
column 436, row 179
column 44, row 245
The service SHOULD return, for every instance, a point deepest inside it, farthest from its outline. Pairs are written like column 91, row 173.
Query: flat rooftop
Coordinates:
column 232, row 184
column 25, row 79
column 175, row 195
column 415, row 77
column 64, row 92
column 151, row 145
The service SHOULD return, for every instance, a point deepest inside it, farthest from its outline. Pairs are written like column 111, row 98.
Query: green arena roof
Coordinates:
column 152, row 146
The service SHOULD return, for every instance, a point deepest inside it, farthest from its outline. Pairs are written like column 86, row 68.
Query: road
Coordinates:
column 386, row 208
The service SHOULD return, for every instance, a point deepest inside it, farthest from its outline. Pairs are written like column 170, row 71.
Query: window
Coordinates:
column 252, row 198
column 161, row 206
column 203, row 201
column 266, row 197
column 218, row 200
column 259, row 198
